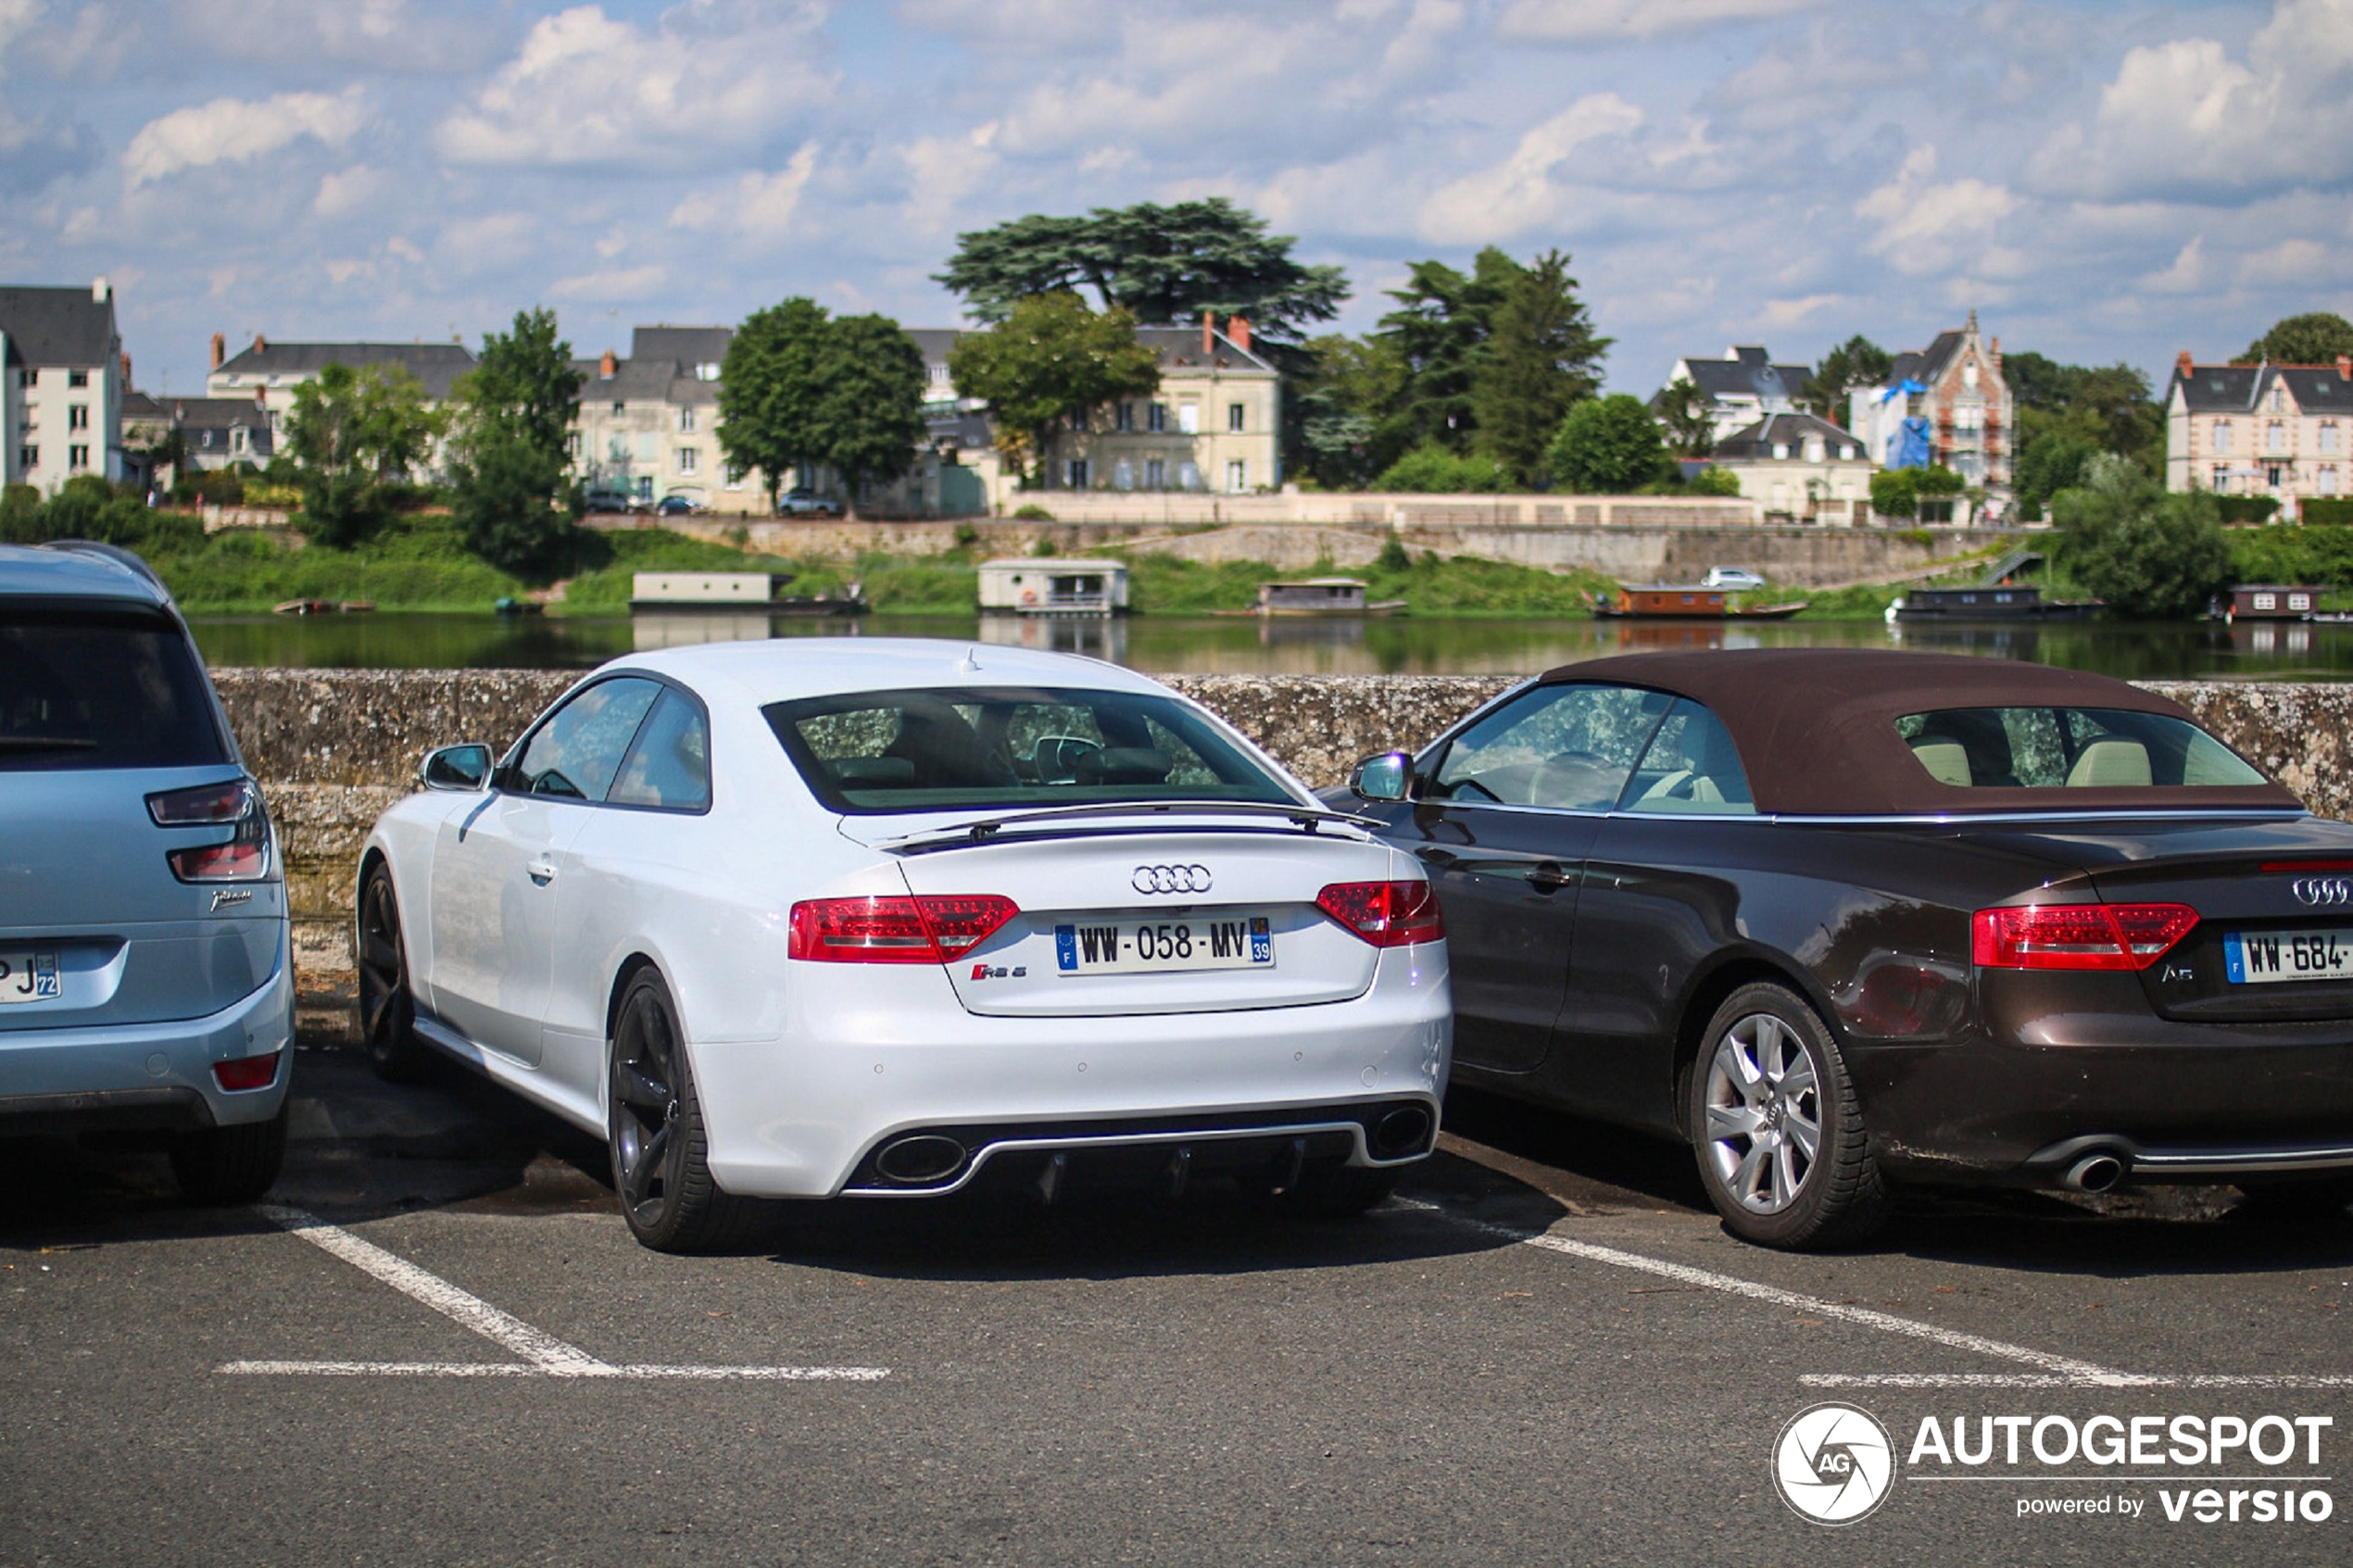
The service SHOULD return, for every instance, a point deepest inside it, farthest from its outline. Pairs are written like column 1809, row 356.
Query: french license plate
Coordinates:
column 29, row 977
column 1157, row 946
column 2273, row 957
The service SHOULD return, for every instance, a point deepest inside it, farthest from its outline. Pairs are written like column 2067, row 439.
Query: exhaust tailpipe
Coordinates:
column 1403, row 1131
column 921, row 1160
column 2095, row 1171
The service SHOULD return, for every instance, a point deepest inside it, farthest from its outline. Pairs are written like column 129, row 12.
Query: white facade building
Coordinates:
column 2282, row 430
column 61, row 386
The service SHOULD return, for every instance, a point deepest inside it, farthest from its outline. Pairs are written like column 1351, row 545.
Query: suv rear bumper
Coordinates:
column 148, row 1075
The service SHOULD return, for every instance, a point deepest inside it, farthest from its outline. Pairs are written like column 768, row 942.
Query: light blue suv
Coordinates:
column 147, row 979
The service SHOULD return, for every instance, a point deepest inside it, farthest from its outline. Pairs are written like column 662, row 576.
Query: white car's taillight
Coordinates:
column 244, row 858
column 933, row 929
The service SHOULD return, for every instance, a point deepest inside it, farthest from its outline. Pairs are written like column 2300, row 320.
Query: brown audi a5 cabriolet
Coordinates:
column 1840, row 918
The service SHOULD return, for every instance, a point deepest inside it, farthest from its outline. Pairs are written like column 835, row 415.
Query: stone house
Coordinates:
column 62, row 376
column 1947, row 405
column 1800, row 468
column 649, row 425
column 1741, row 387
column 2279, row 431
column 267, row 375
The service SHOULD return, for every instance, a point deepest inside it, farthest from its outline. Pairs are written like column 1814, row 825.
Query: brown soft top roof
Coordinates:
column 1816, row 727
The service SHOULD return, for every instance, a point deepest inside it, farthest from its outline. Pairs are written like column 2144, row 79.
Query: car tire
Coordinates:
column 1769, row 1077
column 387, row 1009
column 232, row 1164
column 654, row 1130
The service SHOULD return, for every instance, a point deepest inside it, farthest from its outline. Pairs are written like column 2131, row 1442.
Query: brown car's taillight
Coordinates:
column 1386, row 914
column 2111, row 936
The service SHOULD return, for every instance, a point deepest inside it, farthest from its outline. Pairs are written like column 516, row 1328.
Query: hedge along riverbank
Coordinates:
column 333, row 747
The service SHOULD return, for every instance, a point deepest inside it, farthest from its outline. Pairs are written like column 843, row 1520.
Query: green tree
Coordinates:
column 2316, row 338
column 2052, row 462
column 1898, row 492
column 772, row 389
column 2108, row 407
column 349, row 432
column 869, row 410
column 1337, row 398
column 1607, row 447
column 1684, row 415
column 1541, row 358
column 1431, row 470
column 1160, row 264
column 1857, row 362
column 1443, row 320
column 1713, row 480
column 1050, row 362
column 516, row 504
column 2149, row 554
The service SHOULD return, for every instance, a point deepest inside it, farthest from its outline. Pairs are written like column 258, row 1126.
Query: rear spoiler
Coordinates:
column 1080, row 821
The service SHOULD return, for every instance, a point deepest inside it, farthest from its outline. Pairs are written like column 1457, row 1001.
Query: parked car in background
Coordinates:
column 807, row 503
column 146, row 975
column 884, row 919
column 1841, row 918
column 1734, row 577
column 680, row 505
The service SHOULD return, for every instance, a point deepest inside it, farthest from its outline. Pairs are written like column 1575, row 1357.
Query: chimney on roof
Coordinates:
column 1208, row 333
column 1993, row 351
column 100, row 291
column 1238, row 327
column 2185, row 366
column 260, row 342
column 220, row 350
column 126, row 372
column 609, row 364
column 2345, row 366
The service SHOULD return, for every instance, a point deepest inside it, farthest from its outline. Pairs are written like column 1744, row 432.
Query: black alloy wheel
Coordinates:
column 232, row 1164
column 654, row 1130
column 388, row 1012
column 1773, row 1118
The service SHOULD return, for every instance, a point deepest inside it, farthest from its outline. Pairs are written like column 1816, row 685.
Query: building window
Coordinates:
column 2299, row 601
column 1968, row 375
column 1189, row 418
column 1816, row 450
column 619, row 407
column 2267, row 601
column 1781, row 448
column 1156, row 417
column 687, row 456
column 1237, row 477
column 2279, row 399
column 1126, row 417
column 571, row 445
column 2221, row 435
column 2275, row 436
column 77, row 458
column 2328, row 436
column 2271, row 475
column 707, row 372
column 2220, row 480
column 1155, row 469
column 28, row 457
column 685, row 421
column 239, row 442
column 1075, row 473
column 1846, row 453
column 2328, row 479
column 735, row 475
column 1234, row 417
column 77, row 416
column 77, row 378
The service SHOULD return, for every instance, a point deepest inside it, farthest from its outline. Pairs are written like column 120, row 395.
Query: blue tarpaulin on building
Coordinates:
column 1911, row 447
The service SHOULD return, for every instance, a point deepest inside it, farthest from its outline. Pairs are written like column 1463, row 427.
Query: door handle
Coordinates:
column 1547, row 876
column 542, row 872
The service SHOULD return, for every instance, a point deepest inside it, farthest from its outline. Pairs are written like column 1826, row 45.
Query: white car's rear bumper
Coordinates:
column 873, row 1051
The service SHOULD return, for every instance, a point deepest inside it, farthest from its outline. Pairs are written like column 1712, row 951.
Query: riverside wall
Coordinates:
column 333, row 747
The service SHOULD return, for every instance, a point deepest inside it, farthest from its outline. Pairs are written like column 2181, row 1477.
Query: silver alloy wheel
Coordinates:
column 1764, row 1112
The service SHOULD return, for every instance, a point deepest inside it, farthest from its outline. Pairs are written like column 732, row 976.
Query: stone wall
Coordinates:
column 333, row 747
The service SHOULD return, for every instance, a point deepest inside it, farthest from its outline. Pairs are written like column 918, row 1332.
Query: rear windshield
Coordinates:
column 101, row 688
column 2070, row 749
column 930, row 751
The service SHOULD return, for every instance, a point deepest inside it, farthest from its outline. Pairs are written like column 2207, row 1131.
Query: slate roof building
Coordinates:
column 62, row 377
column 2279, row 431
column 1800, row 468
column 268, row 371
column 1949, row 405
column 648, row 424
column 1742, row 386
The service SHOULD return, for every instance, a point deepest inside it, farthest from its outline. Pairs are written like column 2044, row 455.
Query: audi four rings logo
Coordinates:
column 2318, row 890
column 1171, row 879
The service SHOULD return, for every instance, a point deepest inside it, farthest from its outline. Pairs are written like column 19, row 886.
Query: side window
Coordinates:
column 1691, row 766
column 1569, row 747
column 575, row 754
column 669, row 764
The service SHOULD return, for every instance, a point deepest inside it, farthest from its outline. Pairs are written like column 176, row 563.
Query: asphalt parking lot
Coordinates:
column 438, row 1344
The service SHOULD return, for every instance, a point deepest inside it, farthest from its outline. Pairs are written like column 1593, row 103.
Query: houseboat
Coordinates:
column 733, row 593
column 1997, row 601
column 1322, row 595
column 1045, row 586
column 2269, row 601
column 1682, row 601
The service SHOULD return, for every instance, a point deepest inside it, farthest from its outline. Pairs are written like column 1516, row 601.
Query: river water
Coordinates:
column 1402, row 646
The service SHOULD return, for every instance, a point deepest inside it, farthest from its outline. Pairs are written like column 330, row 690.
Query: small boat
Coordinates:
column 1992, row 601
column 1683, row 601
column 821, row 604
column 306, row 607
column 504, row 605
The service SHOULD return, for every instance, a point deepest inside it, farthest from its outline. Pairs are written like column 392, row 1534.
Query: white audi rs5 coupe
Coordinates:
column 888, row 918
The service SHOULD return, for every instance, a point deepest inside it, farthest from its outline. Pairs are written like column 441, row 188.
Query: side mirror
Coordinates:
column 460, row 768
column 1386, row 777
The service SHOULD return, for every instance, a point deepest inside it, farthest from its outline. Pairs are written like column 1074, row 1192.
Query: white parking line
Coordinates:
column 543, row 1354
column 2029, row 1380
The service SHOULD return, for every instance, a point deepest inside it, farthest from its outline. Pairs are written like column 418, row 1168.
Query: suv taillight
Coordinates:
column 244, row 858
column 882, row 929
column 2126, row 936
column 1386, row 914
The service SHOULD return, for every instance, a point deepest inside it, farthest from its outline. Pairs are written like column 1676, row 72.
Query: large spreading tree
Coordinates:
column 516, row 504
column 801, row 386
column 1050, row 362
column 2316, row 338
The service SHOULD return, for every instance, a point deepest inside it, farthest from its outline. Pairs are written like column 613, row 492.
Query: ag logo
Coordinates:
column 1833, row 1463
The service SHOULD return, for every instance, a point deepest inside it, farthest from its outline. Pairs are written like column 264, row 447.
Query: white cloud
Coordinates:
column 2186, row 275
column 1567, row 21
column 1792, row 312
column 350, row 190
column 700, row 89
column 757, row 204
column 2183, row 119
column 619, row 285
column 378, row 34
column 1926, row 227
column 487, row 240
column 2290, row 261
column 1519, row 192
column 236, row 131
column 943, row 171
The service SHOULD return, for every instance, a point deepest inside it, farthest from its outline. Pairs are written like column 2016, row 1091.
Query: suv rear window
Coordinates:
column 101, row 688
column 2070, row 749
column 933, row 750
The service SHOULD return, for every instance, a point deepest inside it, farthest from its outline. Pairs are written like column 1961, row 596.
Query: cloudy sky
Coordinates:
column 2099, row 181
